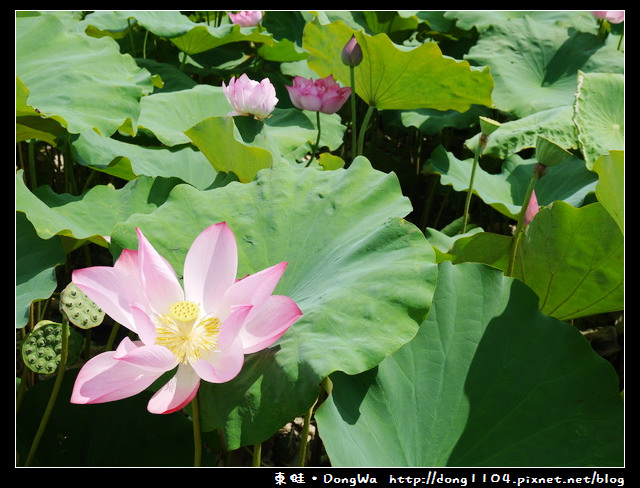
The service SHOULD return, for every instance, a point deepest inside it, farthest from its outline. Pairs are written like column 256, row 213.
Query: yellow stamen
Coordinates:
column 185, row 334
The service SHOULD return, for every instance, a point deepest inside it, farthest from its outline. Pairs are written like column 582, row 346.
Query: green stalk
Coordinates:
column 133, row 47
column 314, row 148
column 32, row 164
column 112, row 336
column 144, row 45
column 22, row 389
column 363, row 129
column 257, row 454
column 197, row 438
column 467, row 202
column 353, row 113
column 520, row 225
column 54, row 393
column 304, row 436
column 482, row 142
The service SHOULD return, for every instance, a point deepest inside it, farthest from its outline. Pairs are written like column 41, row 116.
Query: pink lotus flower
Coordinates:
column 532, row 209
column 613, row 16
column 204, row 329
column 248, row 97
column 246, row 18
column 323, row 95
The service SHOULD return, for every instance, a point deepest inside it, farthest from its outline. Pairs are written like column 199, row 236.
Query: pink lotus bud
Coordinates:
column 323, row 95
column 246, row 18
column 613, row 16
column 532, row 209
column 248, row 97
column 352, row 52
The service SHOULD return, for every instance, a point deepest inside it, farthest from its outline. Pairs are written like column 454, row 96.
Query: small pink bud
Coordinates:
column 532, row 209
column 352, row 52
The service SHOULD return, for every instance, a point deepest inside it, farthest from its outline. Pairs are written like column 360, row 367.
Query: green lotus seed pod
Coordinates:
column 79, row 308
column 42, row 347
column 39, row 347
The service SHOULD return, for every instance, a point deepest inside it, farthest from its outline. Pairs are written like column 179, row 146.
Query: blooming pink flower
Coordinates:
column 246, row 18
column 613, row 16
column 323, row 95
column 248, row 97
column 204, row 329
column 532, row 209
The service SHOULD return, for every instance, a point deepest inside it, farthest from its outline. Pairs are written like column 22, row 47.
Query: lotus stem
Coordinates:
column 54, row 393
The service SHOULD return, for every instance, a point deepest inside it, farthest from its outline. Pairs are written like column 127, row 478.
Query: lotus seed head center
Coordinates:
column 184, row 311
column 186, row 332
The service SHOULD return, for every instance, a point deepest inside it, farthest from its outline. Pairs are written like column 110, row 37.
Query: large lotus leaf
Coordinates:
column 92, row 215
column 286, row 27
column 482, row 20
column 511, row 137
column 36, row 260
column 295, row 130
column 163, row 23
column 29, row 123
column 431, row 121
column 202, row 38
column 222, row 144
column 442, row 242
column 487, row 381
column 127, row 160
column 245, row 146
column 573, row 258
column 190, row 37
column 395, row 77
column 82, row 82
column 569, row 181
column 168, row 115
column 599, row 114
column 482, row 247
column 362, row 276
column 535, row 63
column 610, row 187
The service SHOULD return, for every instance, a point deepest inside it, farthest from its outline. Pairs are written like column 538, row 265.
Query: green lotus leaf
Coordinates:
column 573, row 258
column 422, row 76
column 599, row 114
column 610, row 187
column 432, row 121
column 90, row 216
column 535, row 63
column 244, row 146
column 222, row 144
column 127, row 160
column 484, row 19
column 169, row 115
column 549, row 153
column 487, row 381
column 354, row 265
column 36, row 260
column 570, row 181
column 511, row 137
column 190, row 37
column 98, row 89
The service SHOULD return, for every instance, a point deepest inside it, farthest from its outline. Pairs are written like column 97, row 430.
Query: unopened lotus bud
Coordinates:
column 532, row 209
column 352, row 52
